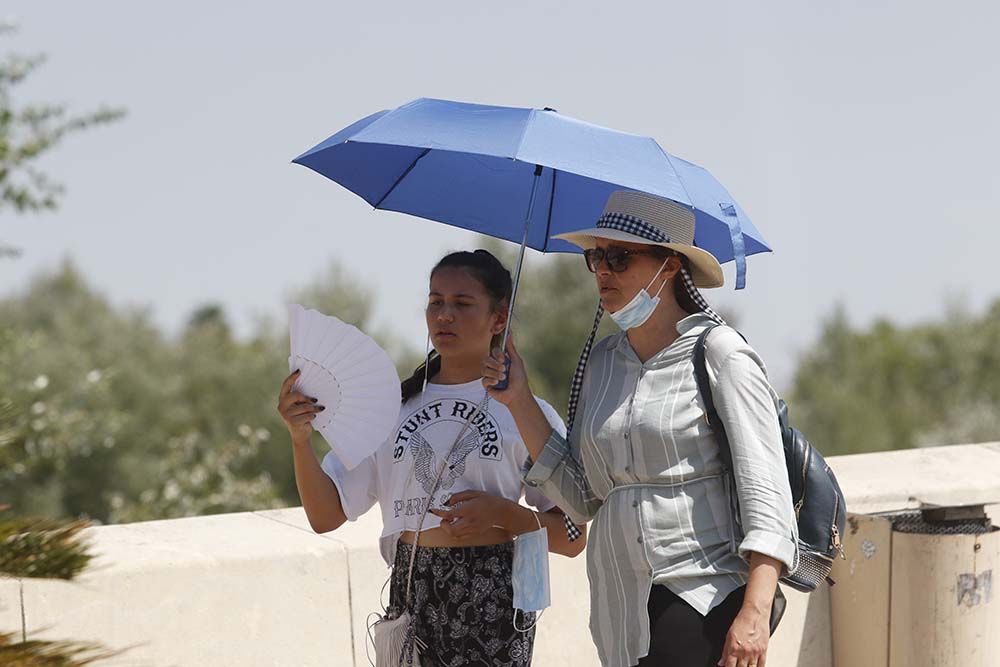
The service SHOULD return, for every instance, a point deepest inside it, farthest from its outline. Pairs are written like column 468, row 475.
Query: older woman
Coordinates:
column 678, row 575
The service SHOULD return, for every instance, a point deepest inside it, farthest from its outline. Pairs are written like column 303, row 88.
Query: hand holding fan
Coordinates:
column 351, row 375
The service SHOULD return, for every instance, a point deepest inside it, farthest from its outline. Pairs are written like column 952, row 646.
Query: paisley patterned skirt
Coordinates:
column 462, row 606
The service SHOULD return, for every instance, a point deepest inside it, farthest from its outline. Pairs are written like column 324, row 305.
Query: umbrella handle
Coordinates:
column 502, row 384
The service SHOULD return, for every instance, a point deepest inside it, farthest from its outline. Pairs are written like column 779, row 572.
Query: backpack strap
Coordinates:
column 705, row 389
column 712, row 415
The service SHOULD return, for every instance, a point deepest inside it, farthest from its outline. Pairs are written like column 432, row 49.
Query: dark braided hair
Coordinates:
column 495, row 279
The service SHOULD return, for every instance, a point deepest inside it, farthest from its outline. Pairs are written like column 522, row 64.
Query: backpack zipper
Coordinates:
column 802, row 498
column 834, row 531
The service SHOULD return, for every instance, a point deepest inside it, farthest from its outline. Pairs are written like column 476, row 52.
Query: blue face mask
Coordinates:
column 641, row 307
column 531, row 573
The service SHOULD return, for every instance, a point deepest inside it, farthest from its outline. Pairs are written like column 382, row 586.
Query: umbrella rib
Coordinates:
column 399, row 180
column 548, row 218
column 690, row 202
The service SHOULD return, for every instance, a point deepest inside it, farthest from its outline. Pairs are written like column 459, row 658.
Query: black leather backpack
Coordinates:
column 820, row 510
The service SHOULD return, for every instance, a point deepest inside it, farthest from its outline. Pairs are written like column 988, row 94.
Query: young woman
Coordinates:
column 462, row 601
column 677, row 578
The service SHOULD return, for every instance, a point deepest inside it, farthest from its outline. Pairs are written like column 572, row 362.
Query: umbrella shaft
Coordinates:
column 520, row 256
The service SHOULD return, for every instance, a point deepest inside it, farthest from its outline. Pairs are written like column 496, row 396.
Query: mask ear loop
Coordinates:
column 529, row 628
column 658, row 272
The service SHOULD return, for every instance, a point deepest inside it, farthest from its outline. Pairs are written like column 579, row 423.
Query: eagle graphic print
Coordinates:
column 424, row 438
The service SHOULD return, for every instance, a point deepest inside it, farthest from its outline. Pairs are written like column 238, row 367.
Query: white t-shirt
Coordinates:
column 401, row 473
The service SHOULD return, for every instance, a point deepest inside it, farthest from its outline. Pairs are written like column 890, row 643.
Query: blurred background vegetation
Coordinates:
column 104, row 417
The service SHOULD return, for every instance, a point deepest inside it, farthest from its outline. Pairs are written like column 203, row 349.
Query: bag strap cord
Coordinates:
column 430, row 498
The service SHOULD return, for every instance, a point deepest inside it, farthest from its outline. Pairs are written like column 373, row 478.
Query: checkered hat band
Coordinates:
column 632, row 225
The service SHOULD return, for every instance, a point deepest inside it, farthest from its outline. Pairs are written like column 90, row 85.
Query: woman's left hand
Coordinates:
column 746, row 643
column 476, row 512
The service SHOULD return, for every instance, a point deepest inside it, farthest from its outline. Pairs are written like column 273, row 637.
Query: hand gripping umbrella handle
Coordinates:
column 502, row 384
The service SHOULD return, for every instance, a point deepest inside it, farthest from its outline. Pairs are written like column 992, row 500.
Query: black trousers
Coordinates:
column 681, row 637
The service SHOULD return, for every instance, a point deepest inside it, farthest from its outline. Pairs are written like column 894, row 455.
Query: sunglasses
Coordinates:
column 617, row 258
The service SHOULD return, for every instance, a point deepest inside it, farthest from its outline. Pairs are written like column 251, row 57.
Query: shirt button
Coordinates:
column 626, row 435
column 628, row 469
column 635, row 503
column 639, row 540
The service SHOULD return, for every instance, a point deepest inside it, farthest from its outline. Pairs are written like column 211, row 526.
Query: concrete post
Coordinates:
column 859, row 601
column 944, row 612
column 917, row 591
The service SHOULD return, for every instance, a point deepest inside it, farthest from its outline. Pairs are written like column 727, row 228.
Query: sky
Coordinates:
column 861, row 138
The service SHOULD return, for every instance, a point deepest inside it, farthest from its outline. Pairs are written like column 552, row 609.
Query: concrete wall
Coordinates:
column 262, row 589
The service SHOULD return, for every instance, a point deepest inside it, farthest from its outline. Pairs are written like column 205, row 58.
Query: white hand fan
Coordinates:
column 351, row 375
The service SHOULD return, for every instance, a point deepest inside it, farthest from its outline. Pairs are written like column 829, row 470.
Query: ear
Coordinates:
column 672, row 268
column 501, row 319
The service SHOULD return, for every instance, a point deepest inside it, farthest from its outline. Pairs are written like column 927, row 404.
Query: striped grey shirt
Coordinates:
column 643, row 464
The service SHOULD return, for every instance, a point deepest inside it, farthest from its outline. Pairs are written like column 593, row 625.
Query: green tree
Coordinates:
column 104, row 402
column 891, row 387
column 41, row 439
column 85, row 380
column 114, row 421
column 27, row 133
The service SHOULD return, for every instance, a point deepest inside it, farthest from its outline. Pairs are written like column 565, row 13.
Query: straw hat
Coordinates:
column 639, row 217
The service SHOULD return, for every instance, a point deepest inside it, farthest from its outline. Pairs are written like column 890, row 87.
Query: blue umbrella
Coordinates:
column 523, row 175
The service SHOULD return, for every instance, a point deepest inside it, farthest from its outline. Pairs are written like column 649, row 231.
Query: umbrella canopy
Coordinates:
column 522, row 175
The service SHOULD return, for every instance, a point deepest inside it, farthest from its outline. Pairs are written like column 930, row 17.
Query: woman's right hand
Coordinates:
column 297, row 410
column 493, row 370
